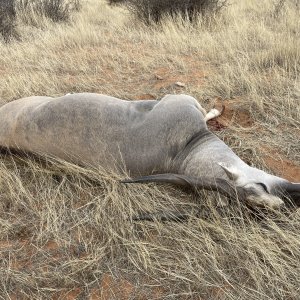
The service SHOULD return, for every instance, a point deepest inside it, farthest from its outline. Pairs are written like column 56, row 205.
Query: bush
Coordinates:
column 27, row 10
column 281, row 5
column 56, row 10
column 154, row 10
column 8, row 19
column 115, row 2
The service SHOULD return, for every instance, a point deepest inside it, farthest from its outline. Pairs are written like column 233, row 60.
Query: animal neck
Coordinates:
column 205, row 154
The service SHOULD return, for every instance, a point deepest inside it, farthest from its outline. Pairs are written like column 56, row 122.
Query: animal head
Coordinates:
column 264, row 191
column 261, row 189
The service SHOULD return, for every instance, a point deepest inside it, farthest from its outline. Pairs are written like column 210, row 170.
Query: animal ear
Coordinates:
column 233, row 173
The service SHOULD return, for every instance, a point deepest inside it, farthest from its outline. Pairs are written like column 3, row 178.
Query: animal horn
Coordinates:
column 292, row 187
column 293, row 191
column 216, row 184
column 161, row 178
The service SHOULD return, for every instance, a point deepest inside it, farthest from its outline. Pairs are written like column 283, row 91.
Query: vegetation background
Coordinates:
column 66, row 232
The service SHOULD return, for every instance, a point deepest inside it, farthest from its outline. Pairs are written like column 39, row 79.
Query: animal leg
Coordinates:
column 213, row 113
column 162, row 216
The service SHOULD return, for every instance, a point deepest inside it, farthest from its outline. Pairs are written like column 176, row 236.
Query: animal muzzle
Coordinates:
column 267, row 201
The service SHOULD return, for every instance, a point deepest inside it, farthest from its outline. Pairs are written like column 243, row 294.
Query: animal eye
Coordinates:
column 263, row 186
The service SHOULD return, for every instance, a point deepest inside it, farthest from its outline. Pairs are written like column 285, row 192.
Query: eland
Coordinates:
column 159, row 141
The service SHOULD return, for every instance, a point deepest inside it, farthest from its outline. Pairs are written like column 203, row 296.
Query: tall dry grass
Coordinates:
column 67, row 231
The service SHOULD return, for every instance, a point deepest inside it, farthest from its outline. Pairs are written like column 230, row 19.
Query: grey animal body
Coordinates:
column 146, row 137
column 92, row 129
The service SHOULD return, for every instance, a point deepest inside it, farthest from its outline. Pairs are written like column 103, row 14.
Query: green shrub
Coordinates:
column 115, row 2
column 154, row 10
column 8, row 20
column 56, row 10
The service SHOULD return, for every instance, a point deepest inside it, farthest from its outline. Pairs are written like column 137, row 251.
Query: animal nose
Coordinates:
column 268, row 201
column 277, row 203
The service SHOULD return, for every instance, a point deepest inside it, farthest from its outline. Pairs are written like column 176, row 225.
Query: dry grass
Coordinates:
column 65, row 232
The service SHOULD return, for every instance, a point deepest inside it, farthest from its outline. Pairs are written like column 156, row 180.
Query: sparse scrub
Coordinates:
column 280, row 5
column 8, row 19
column 154, row 10
column 66, row 232
column 55, row 10
column 113, row 2
column 16, row 12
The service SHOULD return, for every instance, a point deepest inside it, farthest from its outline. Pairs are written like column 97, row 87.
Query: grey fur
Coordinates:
column 142, row 137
